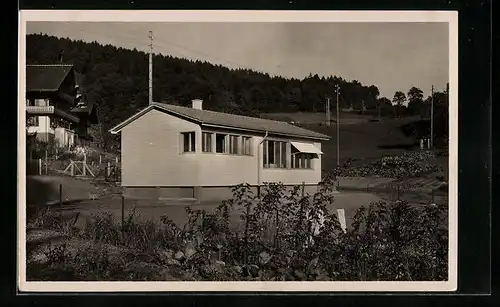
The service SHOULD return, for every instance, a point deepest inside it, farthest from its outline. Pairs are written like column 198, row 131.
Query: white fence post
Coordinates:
column 39, row 166
column 341, row 217
column 84, row 164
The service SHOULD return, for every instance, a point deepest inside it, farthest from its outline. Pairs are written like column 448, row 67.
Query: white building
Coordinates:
column 170, row 151
column 54, row 110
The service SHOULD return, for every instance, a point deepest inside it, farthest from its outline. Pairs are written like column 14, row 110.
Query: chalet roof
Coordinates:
column 88, row 107
column 46, row 78
column 226, row 120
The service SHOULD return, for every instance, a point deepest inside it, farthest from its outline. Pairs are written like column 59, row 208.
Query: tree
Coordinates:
column 116, row 79
column 415, row 94
column 385, row 107
column 371, row 97
column 415, row 101
column 399, row 99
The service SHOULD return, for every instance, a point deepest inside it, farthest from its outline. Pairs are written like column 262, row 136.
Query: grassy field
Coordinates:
column 319, row 117
column 363, row 141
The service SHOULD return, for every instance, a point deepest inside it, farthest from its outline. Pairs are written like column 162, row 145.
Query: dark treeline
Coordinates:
column 116, row 79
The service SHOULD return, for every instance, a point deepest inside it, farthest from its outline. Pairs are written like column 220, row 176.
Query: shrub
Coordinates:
column 283, row 235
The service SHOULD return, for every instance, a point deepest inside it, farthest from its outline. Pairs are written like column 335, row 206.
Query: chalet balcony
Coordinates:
column 40, row 110
column 51, row 110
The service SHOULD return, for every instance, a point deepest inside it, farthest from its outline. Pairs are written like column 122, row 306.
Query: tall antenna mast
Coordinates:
column 150, row 67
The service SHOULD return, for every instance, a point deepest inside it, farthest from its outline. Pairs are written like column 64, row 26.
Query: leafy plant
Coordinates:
column 285, row 234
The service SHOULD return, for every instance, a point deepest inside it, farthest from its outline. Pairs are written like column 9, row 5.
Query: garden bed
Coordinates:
column 406, row 165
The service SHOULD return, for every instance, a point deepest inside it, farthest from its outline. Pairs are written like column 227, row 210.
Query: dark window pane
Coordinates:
column 233, row 144
column 207, row 142
column 246, row 145
column 270, row 152
column 264, row 154
column 186, row 141
column 220, row 143
column 277, row 154
column 193, row 141
column 283, row 154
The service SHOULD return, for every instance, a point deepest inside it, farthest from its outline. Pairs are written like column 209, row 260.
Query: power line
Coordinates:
column 165, row 42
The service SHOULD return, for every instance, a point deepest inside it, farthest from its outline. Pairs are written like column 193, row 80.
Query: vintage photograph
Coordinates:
column 250, row 151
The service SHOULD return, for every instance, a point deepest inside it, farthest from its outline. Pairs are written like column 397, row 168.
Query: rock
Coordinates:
column 220, row 263
column 264, row 258
column 179, row 256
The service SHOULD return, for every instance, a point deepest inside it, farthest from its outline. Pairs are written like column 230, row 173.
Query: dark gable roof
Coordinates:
column 46, row 78
column 226, row 120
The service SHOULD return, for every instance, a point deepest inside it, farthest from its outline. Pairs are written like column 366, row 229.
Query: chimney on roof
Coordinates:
column 197, row 104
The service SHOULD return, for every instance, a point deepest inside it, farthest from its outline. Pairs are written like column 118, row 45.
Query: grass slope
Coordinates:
column 363, row 141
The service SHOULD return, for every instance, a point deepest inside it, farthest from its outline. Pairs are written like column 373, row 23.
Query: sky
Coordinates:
column 392, row 56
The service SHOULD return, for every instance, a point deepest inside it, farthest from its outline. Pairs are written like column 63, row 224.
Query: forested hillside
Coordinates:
column 116, row 79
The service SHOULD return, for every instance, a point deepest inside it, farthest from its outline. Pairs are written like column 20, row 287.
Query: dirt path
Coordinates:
column 154, row 210
column 41, row 190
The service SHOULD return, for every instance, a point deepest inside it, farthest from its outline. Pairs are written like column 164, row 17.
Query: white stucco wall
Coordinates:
column 151, row 152
column 43, row 126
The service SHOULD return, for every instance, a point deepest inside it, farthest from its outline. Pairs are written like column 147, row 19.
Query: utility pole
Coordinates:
column 432, row 116
column 338, row 126
column 328, row 112
column 150, row 67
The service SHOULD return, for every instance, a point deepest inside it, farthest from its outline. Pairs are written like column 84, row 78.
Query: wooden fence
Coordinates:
column 97, row 167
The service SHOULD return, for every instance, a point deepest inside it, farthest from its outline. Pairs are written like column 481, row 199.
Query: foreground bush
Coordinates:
column 284, row 235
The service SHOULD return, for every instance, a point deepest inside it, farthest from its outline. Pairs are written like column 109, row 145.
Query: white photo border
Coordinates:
column 450, row 17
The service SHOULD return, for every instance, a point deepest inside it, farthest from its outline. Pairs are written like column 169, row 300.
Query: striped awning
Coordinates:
column 306, row 148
